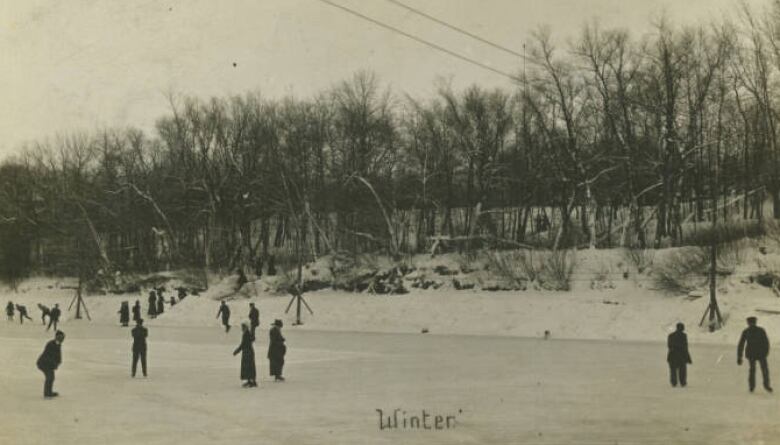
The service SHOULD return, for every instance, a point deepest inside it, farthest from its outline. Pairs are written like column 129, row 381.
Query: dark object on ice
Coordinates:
column 546, row 335
column 757, row 350
column 678, row 357
column 254, row 317
column 276, row 350
column 54, row 317
column 124, row 314
column 173, row 301
column 22, row 310
column 45, row 311
column 248, row 369
column 424, row 330
column 137, row 311
column 49, row 361
column 224, row 311
column 139, row 334
column 152, row 311
column 9, row 311
column 160, row 303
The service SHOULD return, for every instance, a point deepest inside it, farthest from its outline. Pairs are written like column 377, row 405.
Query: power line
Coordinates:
column 457, row 29
column 420, row 40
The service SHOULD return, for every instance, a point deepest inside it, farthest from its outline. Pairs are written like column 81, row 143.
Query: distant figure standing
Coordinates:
column 248, row 370
column 224, row 311
column 160, row 303
column 152, row 311
column 44, row 313
column 54, row 317
column 173, row 301
column 678, row 357
column 137, row 311
column 22, row 310
column 49, row 361
column 254, row 317
column 9, row 311
column 276, row 350
column 756, row 351
column 139, row 334
column 124, row 314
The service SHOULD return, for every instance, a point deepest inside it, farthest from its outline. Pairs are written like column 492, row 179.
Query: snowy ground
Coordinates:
column 502, row 390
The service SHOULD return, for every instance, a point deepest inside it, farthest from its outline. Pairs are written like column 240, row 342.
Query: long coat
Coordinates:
column 757, row 343
column 51, row 358
column 678, row 349
column 160, row 304
column 152, row 305
column 276, row 351
column 136, row 312
column 124, row 314
column 248, row 370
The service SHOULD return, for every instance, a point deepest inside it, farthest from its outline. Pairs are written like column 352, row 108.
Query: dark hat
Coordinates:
column 752, row 320
column 277, row 322
column 680, row 326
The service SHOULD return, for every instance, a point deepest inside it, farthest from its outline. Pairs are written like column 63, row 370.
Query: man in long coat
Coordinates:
column 756, row 351
column 678, row 357
column 49, row 361
column 276, row 350
column 254, row 317
column 139, row 333
column 248, row 369
column 152, row 311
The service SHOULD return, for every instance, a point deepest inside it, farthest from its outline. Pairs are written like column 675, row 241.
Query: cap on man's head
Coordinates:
column 680, row 326
column 59, row 334
column 752, row 320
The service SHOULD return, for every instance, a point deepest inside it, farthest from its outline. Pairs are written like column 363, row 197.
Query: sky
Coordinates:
column 83, row 65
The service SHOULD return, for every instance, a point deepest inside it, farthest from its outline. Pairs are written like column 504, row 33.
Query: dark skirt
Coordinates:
column 248, row 370
column 276, row 366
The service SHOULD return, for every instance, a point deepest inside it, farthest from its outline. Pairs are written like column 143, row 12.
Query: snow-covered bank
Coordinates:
column 630, row 311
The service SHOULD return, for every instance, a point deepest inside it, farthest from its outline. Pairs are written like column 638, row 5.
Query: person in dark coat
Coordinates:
column 254, row 317
column 124, row 314
column 9, row 311
column 160, row 304
column 276, row 350
column 137, row 311
column 152, row 311
column 54, row 317
column 678, row 357
column 45, row 311
column 49, row 361
column 248, row 370
column 224, row 311
column 22, row 310
column 173, row 301
column 757, row 350
column 139, row 333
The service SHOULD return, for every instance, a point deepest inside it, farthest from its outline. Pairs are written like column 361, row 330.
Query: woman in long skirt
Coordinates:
column 248, row 370
column 276, row 350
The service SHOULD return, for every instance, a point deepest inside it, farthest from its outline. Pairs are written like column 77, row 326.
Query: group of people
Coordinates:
column 53, row 314
column 753, row 345
column 156, row 305
column 51, row 358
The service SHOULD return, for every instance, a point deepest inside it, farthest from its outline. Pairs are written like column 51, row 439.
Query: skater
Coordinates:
column 49, row 361
column 248, row 370
column 160, row 303
column 44, row 313
column 276, row 350
column 22, row 310
column 224, row 310
column 54, row 317
column 756, row 351
column 139, row 334
column 254, row 317
column 137, row 311
column 678, row 357
column 9, row 311
column 124, row 314
column 173, row 301
column 152, row 311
